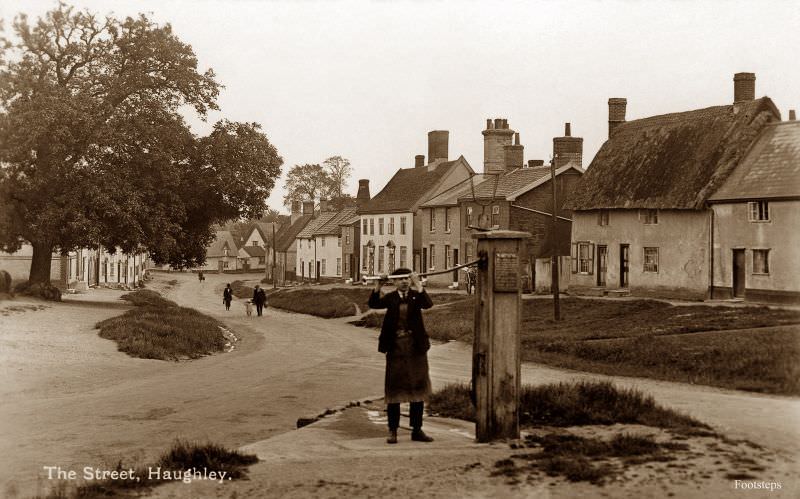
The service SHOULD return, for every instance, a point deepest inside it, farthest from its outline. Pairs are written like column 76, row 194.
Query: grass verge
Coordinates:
column 742, row 348
column 159, row 329
column 573, row 404
column 185, row 462
column 336, row 302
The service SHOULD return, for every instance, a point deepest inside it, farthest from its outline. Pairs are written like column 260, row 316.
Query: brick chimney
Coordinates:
column 744, row 87
column 568, row 148
column 513, row 154
column 792, row 116
column 308, row 207
column 616, row 113
column 437, row 145
column 296, row 211
column 496, row 136
column 323, row 205
column 363, row 192
column 419, row 160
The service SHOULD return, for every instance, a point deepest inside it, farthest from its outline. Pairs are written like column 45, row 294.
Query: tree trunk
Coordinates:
column 40, row 263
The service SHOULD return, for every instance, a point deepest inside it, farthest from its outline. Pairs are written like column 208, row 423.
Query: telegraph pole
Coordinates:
column 274, row 280
column 554, row 246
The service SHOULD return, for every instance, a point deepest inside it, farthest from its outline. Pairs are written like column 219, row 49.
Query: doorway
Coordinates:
column 738, row 273
column 624, row 264
column 602, row 264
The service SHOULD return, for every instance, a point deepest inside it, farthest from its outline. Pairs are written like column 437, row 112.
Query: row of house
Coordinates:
column 696, row 204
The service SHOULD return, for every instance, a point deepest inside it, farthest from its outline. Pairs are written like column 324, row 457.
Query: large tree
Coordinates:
column 305, row 183
column 338, row 170
column 93, row 151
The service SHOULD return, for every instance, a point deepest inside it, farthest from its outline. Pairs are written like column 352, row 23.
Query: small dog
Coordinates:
column 248, row 307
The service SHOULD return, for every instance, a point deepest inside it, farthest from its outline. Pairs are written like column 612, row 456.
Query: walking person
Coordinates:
column 404, row 341
column 259, row 298
column 227, row 297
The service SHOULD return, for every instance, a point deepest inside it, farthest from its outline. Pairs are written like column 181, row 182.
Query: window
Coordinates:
column 339, row 241
column 650, row 217
column 651, row 260
column 364, row 226
column 364, row 257
column 371, row 226
column 433, row 219
column 346, row 267
column 380, row 258
column 602, row 217
column 391, row 226
column 390, row 261
column 255, row 243
column 447, row 221
column 761, row 261
column 582, row 258
column 468, row 251
column 468, row 218
column 403, row 255
column 224, row 265
column 310, row 268
column 323, row 267
column 402, row 226
column 432, row 257
column 338, row 266
column 758, row 210
column 323, row 242
column 380, row 226
column 346, row 238
column 447, row 260
column 495, row 216
column 261, row 260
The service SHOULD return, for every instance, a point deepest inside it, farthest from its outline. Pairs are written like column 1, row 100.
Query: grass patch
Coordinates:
column 159, row 329
column 743, row 348
column 571, row 404
column 242, row 290
column 337, row 302
column 182, row 458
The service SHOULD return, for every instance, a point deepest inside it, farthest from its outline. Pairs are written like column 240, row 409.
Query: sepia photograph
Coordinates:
column 415, row 248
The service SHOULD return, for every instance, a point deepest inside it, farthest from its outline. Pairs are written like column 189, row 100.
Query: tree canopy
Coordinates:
column 94, row 151
column 310, row 182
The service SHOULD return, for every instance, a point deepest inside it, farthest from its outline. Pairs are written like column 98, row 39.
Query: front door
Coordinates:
column 602, row 264
column 738, row 273
column 624, row 250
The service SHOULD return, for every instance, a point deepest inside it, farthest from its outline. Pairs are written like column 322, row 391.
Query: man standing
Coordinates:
column 404, row 341
column 259, row 298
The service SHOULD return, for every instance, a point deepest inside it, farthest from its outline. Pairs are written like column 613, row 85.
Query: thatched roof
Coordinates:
column 671, row 161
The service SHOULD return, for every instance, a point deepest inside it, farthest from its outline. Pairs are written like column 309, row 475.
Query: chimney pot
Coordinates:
column 792, row 116
column 516, row 138
column 419, row 160
column 744, row 87
column 489, row 123
column 505, row 124
column 498, row 123
column 567, row 130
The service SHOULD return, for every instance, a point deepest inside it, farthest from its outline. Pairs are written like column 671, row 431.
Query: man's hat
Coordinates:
column 401, row 271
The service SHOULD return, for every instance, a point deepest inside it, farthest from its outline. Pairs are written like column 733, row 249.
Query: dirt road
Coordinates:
column 70, row 399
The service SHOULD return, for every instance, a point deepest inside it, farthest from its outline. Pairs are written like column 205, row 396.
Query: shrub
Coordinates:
column 45, row 291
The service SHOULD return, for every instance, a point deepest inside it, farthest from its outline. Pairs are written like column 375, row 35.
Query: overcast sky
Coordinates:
column 368, row 80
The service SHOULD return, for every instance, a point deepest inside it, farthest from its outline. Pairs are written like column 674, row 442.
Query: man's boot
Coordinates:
column 419, row 436
column 392, row 438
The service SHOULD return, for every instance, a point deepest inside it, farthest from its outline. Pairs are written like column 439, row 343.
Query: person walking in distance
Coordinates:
column 259, row 298
column 227, row 297
column 404, row 341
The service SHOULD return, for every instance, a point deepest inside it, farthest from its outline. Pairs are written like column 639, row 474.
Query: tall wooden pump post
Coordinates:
column 496, row 347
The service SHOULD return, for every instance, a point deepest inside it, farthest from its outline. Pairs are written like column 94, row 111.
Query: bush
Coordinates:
column 45, row 291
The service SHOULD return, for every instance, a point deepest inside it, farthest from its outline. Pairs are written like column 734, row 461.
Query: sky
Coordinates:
column 367, row 80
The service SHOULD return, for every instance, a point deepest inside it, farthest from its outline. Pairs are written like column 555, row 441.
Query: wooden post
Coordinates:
column 554, row 268
column 496, row 347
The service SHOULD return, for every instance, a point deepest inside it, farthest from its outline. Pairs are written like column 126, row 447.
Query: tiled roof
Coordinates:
column 771, row 169
column 222, row 239
column 254, row 250
column 331, row 227
column 502, row 185
column 288, row 233
column 450, row 196
column 408, row 187
column 322, row 219
column 671, row 161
